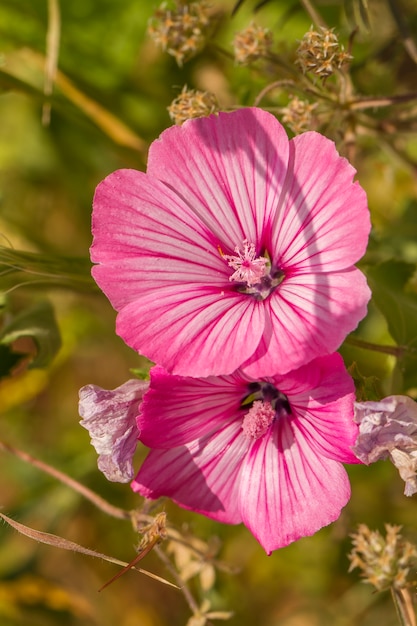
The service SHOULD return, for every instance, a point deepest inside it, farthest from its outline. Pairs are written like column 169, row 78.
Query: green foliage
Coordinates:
column 37, row 323
column 109, row 101
column 389, row 282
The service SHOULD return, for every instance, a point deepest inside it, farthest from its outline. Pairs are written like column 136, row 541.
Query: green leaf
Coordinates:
column 388, row 282
column 8, row 360
column 366, row 386
column 37, row 322
column 140, row 373
column 357, row 14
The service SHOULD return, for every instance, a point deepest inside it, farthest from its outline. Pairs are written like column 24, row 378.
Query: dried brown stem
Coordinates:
column 181, row 584
column 95, row 499
column 404, row 606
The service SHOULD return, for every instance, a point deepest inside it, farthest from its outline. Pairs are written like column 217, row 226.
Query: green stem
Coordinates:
column 396, row 351
column 19, row 268
column 315, row 16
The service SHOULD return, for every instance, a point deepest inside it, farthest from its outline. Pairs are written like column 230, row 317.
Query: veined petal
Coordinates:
column 146, row 236
column 202, row 476
column 322, row 399
column 232, row 174
column 193, row 330
column 308, row 316
column 225, row 193
column 177, row 410
column 324, row 222
column 110, row 418
column 287, row 491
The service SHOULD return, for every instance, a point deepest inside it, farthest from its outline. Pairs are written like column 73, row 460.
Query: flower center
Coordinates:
column 248, row 268
column 266, row 404
column 254, row 274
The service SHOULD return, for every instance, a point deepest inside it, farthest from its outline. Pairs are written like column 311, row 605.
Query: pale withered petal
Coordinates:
column 110, row 418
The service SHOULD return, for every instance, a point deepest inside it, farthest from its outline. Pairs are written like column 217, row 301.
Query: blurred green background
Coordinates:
column 108, row 103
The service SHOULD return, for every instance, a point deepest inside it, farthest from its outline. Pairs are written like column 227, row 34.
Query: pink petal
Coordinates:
column 163, row 239
column 233, row 172
column 110, row 418
column 177, row 410
column 308, row 316
column 192, row 330
column 163, row 271
column 324, row 222
column 322, row 397
column 146, row 234
column 202, row 476
column 287, row 491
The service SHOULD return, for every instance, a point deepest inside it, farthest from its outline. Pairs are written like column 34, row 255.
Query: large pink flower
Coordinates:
column 236, row 248
column 267, row 452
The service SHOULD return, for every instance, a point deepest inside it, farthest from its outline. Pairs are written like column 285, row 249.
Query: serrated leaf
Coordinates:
column 37, row 322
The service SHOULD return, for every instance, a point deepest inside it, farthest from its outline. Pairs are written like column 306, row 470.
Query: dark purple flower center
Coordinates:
column 265, row 404
column 254, row 275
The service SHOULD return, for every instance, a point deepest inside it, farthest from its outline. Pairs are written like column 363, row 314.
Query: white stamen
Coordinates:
column 248, row 268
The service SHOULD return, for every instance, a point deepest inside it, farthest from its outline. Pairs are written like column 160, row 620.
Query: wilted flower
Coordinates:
column 110, row 418
column 266, row 452
column 236, row 248
column 252, row 43
column 384, row 561
column 388, row 429
column 192, row 103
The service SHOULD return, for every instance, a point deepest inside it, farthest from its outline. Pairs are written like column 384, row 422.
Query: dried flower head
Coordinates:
column 298, row 115
column 384, row 561
column 321, row 53
column 252, row 43
column 192, row 103
column 181, row 31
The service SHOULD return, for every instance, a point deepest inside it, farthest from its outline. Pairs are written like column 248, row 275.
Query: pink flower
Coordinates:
column 236, row 248
column 110, row 418
column 388, row 429
column 267, row 451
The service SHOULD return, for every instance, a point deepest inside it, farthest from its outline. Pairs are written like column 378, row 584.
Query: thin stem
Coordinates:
column 275, row 85
column 368, row 103
column 396, row 351
column 134, row 516
column 403, row 606
column 315, row 16
column 52, row 51
column 181, row 584
column 97, row 500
